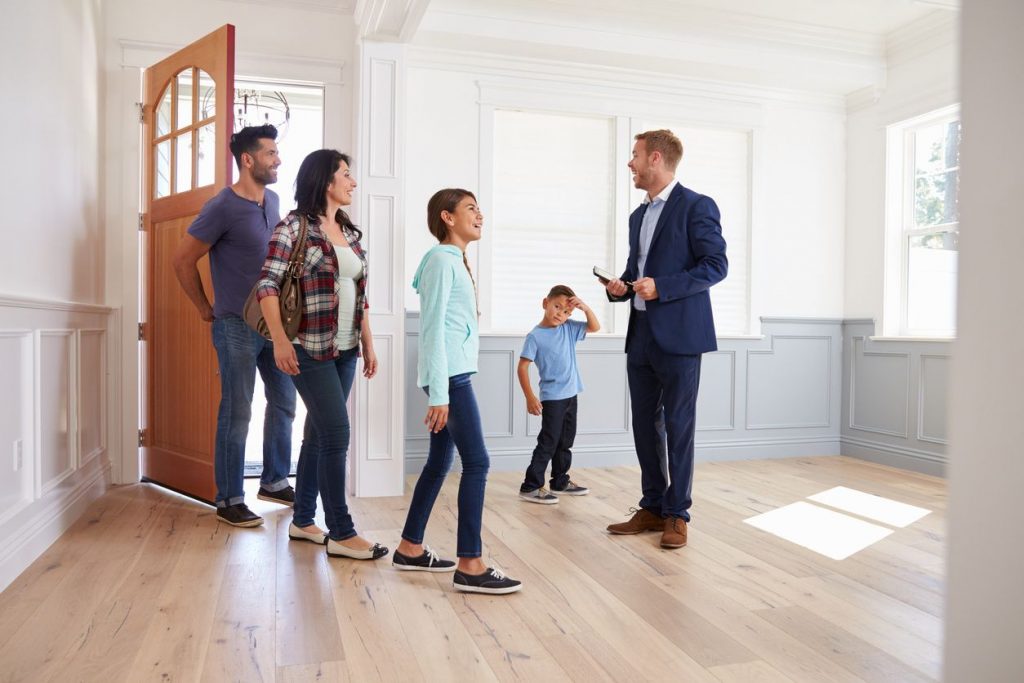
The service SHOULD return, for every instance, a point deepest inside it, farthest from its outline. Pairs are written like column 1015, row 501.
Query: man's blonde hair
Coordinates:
column 666, row 142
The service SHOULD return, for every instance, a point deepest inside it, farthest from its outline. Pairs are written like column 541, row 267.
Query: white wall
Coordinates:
column 53, row 328
column 798, row 158
column 985, row 611
column 49, row 75
column 922, row 77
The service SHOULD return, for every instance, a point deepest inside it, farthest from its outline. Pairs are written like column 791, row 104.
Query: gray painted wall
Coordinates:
column 894, row 399
column 775, row 396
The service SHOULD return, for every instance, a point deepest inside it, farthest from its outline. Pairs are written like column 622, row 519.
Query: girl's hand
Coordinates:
column 369, row 361
column 575, row 302
column 284, row 357
column 437, row 418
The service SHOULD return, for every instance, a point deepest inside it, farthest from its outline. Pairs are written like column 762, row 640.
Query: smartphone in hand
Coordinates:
column 605, row 277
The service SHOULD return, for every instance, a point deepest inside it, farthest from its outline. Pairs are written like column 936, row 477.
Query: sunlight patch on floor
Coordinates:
column 884, row 510
column 824, row 531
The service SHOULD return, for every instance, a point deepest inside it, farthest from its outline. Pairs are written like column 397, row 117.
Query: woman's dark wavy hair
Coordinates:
column 315, row 173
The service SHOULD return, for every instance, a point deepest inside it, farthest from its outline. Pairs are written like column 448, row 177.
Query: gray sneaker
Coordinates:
column 541, row 495
column 571, row 489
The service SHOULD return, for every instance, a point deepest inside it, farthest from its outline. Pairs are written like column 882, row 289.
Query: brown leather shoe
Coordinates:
column 642, row 520
column 674, row 534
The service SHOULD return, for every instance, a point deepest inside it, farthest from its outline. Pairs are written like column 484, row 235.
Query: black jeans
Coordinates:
column 554, row 445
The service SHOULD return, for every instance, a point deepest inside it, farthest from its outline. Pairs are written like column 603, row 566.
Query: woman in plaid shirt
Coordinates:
column 322, row 359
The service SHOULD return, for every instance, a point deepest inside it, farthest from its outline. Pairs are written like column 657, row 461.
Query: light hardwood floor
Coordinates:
column 148, row 586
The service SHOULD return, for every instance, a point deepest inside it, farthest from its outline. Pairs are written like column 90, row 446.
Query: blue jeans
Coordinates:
column 240, row 352
column 465, row 432
column 324, row 386
column 663, row 394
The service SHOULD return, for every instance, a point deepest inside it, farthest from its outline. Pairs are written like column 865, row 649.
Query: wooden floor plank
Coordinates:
column 147, row 585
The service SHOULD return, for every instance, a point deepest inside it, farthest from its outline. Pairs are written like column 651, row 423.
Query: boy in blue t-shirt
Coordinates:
column 552, row 345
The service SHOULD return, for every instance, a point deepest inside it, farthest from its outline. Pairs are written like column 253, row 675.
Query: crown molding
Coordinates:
column 330, row 6
column 935, row 31
column 389, row 20
column 549, row 73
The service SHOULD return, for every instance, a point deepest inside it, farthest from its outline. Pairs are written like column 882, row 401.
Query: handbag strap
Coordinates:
column 298, row 257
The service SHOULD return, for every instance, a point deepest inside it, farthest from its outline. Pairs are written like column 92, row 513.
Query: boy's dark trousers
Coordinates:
column 554, row 445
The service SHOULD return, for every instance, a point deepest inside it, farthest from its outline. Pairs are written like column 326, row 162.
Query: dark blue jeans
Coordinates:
column 554, row 445
column 324, row 386
column 663, row 394
column 240, row 352
column 465, row 432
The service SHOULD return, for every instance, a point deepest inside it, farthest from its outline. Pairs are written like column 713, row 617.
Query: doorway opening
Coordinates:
column 303, row 133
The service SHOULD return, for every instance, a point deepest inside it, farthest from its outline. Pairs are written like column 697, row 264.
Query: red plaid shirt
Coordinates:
column 319, row 325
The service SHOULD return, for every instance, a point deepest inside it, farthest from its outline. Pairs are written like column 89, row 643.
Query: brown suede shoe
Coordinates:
column 674, row 535
column 642, row 520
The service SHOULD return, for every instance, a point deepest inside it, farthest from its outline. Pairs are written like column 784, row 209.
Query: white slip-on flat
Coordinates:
column 375, row 552
column 297, row 534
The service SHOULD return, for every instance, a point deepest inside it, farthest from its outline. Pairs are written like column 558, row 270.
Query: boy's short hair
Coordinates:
column 561, row 290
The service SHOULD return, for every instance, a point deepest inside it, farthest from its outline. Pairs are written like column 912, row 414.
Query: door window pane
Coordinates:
column 162, row 170
column 163, row 115
column 207, row 96
column 206, row 157
column 183, row 163
column 184, row 99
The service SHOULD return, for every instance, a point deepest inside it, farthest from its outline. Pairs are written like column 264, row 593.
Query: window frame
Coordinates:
column 901, row 226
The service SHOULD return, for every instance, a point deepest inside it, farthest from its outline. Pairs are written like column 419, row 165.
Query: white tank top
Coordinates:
column 350, row 270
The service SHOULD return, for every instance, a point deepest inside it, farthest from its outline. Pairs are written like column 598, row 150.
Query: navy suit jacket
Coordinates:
column 686, row 257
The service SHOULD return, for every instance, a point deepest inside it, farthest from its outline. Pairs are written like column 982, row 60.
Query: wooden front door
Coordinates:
column 187, row 123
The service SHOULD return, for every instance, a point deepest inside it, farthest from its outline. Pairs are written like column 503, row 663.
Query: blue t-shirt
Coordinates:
column 553, row 349
column 239, row 230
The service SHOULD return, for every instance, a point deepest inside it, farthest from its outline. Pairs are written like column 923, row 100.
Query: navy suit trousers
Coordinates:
column 663, row 394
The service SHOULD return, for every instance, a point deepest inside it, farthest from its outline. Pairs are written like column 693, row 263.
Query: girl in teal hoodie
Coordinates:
column 448, row 346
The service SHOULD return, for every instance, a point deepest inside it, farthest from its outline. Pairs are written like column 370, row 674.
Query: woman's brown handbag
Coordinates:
column 290, row 299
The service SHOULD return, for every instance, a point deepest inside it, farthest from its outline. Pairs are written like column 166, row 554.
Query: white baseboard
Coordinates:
column 35, row 529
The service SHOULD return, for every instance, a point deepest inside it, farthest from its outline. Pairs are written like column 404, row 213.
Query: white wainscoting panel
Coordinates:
column 92, row 390
column 17, row 485
column 56, row 368
column 53, row 369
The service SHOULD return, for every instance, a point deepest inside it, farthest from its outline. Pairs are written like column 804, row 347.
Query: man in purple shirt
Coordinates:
column 234, row 228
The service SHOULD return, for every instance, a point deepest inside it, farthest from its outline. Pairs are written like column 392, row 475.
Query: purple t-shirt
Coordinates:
column 239, row 230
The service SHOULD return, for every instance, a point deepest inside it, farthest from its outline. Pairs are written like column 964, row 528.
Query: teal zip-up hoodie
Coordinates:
column 449, row 331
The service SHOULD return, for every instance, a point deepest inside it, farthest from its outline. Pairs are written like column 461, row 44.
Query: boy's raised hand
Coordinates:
column 533, row 405
column 576, row 302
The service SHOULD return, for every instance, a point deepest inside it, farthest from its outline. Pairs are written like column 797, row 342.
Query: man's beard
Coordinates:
column 264, row 176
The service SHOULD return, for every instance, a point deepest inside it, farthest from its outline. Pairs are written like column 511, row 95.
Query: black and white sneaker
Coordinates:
column 285, row 496
column 238, row 515
column 571, row 489
column 429, row 561
column 541, row 495
column 492, row 581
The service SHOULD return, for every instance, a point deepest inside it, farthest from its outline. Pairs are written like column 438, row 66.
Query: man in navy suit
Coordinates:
column 676, row 253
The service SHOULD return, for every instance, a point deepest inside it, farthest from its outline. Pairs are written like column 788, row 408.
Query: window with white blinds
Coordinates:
column 552, row 217
column 716, row 163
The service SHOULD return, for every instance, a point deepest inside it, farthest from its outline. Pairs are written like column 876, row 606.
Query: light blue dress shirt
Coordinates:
column 649, row 222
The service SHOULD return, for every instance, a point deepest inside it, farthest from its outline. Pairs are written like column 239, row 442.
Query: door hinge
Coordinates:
column 142, row 438
column 142, row 111
column 142, row 222
column 142, row 331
